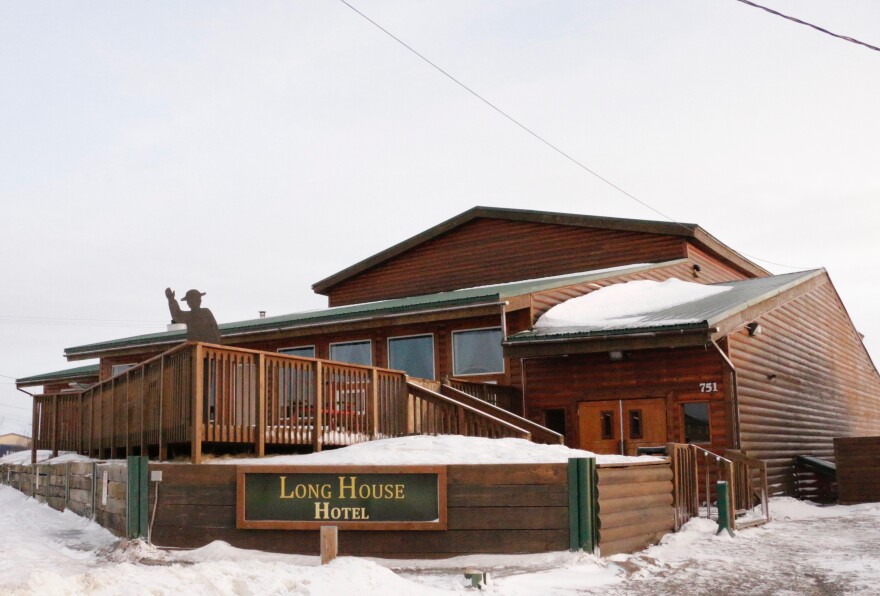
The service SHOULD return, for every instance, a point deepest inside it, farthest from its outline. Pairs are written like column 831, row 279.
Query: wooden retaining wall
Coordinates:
column 858, row 469
column 505, row 508
column 71, row 486
column 515, row 508
column 635, row 506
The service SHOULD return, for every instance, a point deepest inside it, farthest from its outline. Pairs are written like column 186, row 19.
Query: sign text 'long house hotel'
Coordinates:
column 351, row 497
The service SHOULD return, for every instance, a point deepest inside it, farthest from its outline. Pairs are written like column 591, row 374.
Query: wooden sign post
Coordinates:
column 329, row 543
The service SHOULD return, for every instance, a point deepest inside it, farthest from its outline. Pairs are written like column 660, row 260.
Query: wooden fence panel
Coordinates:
column 858, row 469
column 635, row 506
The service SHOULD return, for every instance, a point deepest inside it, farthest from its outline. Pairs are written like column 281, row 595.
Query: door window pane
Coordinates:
column 306, row 351
column 477, row 352
column 635, row 424
column 696, row 423
column 413, row 355
column 606, row 423
column 353, row 352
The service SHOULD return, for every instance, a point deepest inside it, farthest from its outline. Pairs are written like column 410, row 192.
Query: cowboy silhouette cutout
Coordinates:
column 200, row 322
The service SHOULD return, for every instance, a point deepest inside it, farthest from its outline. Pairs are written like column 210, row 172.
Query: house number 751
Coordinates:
column 708, row 387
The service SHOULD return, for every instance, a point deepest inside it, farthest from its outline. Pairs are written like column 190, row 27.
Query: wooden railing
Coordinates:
column 695, row 471
column 540, row 434
column 432, row 413
column 202, row 393
column 502, row 396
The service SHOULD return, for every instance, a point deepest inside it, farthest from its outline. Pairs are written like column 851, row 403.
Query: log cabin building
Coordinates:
column 769, row 364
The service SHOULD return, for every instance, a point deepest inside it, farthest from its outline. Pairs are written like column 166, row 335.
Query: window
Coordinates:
column 119, row 369
column 477, row 352
column 413, row 355
column 606, row 423
column 306, row 351
column 635, row 424
column 353, row 352
column 555, row 420
column 696, row 423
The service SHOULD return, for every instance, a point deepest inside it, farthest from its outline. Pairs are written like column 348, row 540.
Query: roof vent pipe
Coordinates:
column 262, row 314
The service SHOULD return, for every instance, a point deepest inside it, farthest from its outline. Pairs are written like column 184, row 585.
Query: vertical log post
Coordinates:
column 261, row 405
column 54, row 425
column 198, row 386
column 317, row 422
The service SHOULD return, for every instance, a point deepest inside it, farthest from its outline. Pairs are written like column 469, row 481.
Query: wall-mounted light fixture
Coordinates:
column 754, row 329
column 697, row 269
column 615, row 355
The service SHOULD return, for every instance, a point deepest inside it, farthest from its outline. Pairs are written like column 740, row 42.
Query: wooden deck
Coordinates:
column 197, row 394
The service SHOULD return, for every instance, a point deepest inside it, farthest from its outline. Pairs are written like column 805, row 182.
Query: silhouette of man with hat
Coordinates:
column 200, row 322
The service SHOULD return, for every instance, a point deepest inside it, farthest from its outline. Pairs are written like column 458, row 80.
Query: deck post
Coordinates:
column 198, row 377
column 55, row 425
column 261, row 405
column 35, row 431
column 317, row 423
column 374, row 401
column 112, row 419
column 163, row 449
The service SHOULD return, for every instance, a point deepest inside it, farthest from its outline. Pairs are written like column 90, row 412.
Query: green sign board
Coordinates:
column 351, row 497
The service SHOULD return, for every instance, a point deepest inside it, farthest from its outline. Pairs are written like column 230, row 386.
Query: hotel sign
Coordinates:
column 351, row 497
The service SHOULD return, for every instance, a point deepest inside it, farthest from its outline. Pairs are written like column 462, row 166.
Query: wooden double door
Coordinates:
column 621, row 426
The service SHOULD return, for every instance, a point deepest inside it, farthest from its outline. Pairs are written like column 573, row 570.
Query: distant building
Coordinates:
column 12, row 442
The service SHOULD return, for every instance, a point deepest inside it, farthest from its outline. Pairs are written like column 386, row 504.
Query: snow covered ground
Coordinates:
column 805, row 550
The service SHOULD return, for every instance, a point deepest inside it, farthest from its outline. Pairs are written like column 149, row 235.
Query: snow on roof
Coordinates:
column 626, row 304
column 439, row 450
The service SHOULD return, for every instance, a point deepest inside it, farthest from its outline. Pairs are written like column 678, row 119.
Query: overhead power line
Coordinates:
column 816, row 27
column 534, row 134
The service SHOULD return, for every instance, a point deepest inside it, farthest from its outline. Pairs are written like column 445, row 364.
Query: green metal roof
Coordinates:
column 340, row 314
column 699, row 314
column 89, row 370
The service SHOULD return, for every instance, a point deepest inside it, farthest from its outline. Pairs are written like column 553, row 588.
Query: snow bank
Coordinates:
column 439, row 450
column 626, row 304
column 43, row 457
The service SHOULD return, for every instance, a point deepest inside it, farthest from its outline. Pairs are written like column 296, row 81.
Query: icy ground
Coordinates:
column 805, row 550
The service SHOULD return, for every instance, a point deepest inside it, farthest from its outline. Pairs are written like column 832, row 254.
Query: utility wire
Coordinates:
column 532, row 132
column 816, row 27
column 509, row 117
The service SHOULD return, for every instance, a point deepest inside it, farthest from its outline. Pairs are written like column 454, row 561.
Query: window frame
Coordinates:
column 708, row 420
column 481, row 374
column 312, row 346
column 433, row 351
column 348, row 342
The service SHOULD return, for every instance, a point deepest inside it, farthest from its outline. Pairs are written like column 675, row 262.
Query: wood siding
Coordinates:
column 804, row 380
column 487, row 251
column 673, row 374
column 516, row 508
column 635, row 506
column 858, row 469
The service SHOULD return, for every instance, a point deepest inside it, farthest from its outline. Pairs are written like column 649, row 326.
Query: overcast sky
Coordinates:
column 249, row 149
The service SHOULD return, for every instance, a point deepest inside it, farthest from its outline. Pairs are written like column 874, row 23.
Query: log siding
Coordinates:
column 804, row 380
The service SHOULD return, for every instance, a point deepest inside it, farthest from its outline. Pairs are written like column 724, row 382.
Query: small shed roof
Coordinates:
column 484, row 295
column 69, row 374
column 651, row 316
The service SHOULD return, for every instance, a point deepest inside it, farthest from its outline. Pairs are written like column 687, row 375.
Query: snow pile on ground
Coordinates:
column 43, row 457
column 626, row 304
column 439, row 450
column 805, row 550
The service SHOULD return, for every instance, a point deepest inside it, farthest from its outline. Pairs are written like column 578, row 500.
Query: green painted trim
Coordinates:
column 573, row 513
column 136, row 497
